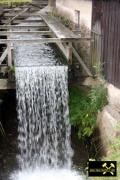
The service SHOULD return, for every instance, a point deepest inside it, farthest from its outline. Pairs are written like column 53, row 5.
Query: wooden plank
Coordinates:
column 39, row 40
column 9, row 55
column 18, row 21
column 17, row 15
column 81, row 62
column 12, row 14
column 63, row 49
column 4, row 55
column 57, row 27
column 6, row 33
column 22, row 26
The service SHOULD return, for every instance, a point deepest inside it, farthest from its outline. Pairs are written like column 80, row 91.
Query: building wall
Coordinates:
column 69, row 7
column 106, row 24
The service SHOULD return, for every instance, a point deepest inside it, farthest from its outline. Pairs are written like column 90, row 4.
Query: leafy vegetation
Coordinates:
column 9, row 2
column 84, row 107
column 64, row 20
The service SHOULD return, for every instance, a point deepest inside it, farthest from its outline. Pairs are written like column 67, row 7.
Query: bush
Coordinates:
column 84, row 107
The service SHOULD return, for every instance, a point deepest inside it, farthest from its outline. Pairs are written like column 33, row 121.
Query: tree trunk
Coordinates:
column 52, row 3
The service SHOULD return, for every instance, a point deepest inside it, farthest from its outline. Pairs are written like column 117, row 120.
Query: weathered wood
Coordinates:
column 63, row 49
column 12, row 14
column 18, row 21
column 4, row 55
column 17, row 15
column 9, row 62
column 40, row 27
column 9, row 55
column 38, row 40
column 81, row 62
column 57, row 27
column 6, row 33
column 66, row 49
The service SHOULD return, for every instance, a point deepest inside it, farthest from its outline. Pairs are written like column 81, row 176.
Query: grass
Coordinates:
column 14, row 1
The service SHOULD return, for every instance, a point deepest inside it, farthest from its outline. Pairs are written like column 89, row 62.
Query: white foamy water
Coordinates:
column 44, row 128
column 40, row 174
column 42, row 104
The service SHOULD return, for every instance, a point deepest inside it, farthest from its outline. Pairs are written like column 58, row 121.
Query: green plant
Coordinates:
column 84, row 107
column 64, row 20
column 11, row 69
column 10, row 2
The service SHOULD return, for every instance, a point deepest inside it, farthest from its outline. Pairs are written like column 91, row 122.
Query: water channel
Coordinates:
column 45, row 148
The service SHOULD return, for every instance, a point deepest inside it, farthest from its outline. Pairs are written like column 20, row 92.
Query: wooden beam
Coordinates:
column 38, row 40
column 4, row 55
column 66, row 49
column 18, row 21
column 12, row 14
column 57, row 27
column 6, row 33
column 23, row 26
column 63, row 49
column 22, row 12
column 9, row 55
column 81, row 61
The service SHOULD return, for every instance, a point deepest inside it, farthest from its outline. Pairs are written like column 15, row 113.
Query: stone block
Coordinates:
column 107, row 123
column 114, row 96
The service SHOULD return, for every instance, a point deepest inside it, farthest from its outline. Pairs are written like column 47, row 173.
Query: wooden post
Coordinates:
column 9, row 52
column 52, row 3
column 69, row 49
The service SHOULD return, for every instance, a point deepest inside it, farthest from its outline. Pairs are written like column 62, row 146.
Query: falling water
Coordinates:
column 44, row 129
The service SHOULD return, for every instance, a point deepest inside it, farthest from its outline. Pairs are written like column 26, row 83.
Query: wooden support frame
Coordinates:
column 9, row 47
column 4, row 55
column 39, row 40
column 81, row 62
column 66, row 50
column 18, row 21
column 6, row 33
column 23, row 26
column 25, row 15
column 22, row 12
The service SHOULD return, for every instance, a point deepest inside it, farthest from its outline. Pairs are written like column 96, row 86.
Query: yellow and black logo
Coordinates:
column 102, row 168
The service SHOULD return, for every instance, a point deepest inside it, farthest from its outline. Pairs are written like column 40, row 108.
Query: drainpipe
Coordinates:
column 52, row 3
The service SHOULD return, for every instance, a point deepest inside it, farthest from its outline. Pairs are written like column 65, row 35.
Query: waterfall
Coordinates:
column 43, row 114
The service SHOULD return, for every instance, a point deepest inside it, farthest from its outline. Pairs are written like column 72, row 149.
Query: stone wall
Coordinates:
column 109, row 119
column 69, row 7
